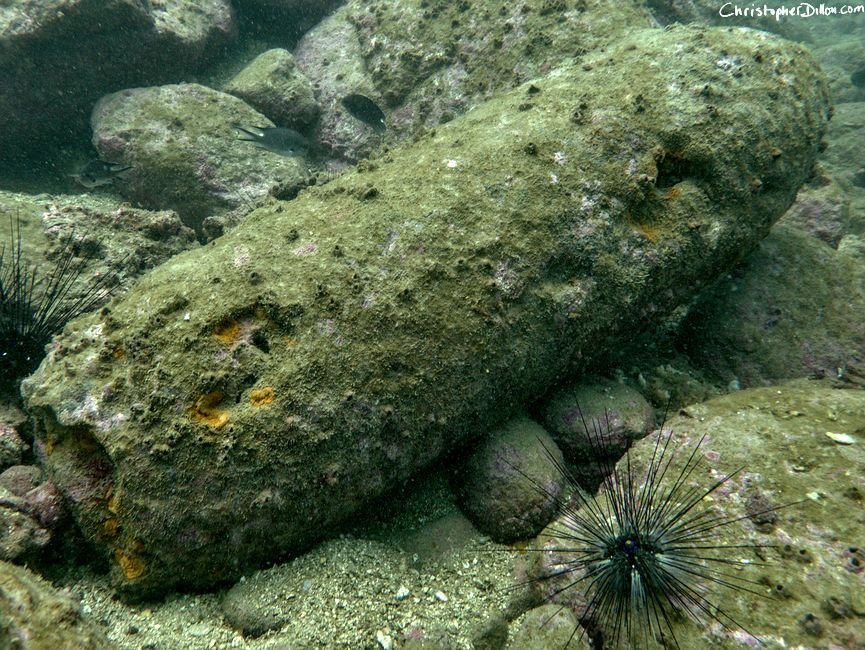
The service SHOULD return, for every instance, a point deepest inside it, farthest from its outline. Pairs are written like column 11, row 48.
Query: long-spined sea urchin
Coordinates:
column 644, row 550
column 34, row 308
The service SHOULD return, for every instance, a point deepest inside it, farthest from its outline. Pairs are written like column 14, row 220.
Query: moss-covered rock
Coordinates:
column 287, row 18
column 547, row 627
column 273, row 85
column 427, row 61
column 185, row 152
column 620, row 415
column 792, row 309
column 245, row 397
column 127, row 241
column 35, row 616
column 511, row 485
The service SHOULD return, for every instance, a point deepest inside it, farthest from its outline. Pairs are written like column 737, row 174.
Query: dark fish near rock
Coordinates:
column 99, row 172
column 365, row 110
column 279, row 140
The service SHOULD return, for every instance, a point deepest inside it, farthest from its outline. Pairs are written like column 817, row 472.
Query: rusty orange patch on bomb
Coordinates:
column 206, row 411
column 131, row 566
column 261, row 396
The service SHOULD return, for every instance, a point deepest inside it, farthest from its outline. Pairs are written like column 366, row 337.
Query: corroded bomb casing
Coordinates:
column 244, row 398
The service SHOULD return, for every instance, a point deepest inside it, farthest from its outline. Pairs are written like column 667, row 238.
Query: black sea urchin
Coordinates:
column 645, row 550
column 34, row 308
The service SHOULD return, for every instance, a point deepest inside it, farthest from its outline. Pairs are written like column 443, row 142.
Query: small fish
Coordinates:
column 279, row 140
column 99, row 172
column 366, row 110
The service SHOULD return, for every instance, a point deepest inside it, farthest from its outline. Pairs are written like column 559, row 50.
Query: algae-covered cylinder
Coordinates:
column 245, row 398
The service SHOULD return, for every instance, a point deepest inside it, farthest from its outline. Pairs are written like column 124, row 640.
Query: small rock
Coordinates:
column 12, row 447
column 20, row 533
column 841, row 438
column 200, row 629
column 498, row 486
column 40, row 616
column 617, row 412
column 272, row 84
column 384, row 641
column 47, row 505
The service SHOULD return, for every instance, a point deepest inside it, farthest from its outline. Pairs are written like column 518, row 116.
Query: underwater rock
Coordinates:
column 185, row 151
column 822, row 211
column 425, row 64
column 274, row 86
column 435, row 542
column 546, row 627
column 843, row 160
column 129, row 240
column 621, row 413
column 12, row 446
column 780, row 437
column 21, row 535
column 246, row 397
column 499, row 484
column 35, row 615
column 32, row 513
column 288, row 18
column 793, row 308
column 20, row 479
column 71, row 244
column 74, row 252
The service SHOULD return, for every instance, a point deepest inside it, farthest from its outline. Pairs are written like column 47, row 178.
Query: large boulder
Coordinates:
column 426, row 63
column 843, row 160
column 792, row 510
column 792, row 309
column 286, row 18
column 246, row 397
column 185, row 152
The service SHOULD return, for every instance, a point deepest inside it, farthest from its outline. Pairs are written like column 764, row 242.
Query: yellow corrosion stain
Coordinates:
column 110, row 527
column 205, row 410
column 673, row 193
column 113, row 503
column 261, row 396
column 290, row 341
column 227, row 333
column 131, row 566
column 77, row 439
column 118, row 353
column 649, row 232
